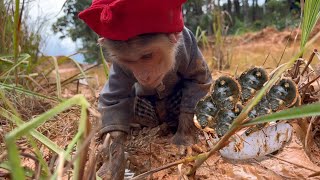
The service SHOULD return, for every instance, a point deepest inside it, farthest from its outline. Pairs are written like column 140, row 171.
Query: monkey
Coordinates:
column 149, row 62
column 157, row 73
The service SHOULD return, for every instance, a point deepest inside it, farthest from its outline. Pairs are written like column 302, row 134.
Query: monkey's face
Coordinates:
column 150, row 66
column 149, row 58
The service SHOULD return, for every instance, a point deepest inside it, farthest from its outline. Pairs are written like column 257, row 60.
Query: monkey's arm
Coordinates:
column 116, row 101
column 195, row 73
column 197, row 80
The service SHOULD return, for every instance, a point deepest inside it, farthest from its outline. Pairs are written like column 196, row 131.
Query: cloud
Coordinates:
column 52, row 45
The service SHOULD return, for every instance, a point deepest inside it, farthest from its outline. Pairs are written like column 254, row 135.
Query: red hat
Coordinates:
column 124, row 19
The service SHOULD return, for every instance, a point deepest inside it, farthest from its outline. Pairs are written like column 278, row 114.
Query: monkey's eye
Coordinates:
column 147, row 56
column 127, row 61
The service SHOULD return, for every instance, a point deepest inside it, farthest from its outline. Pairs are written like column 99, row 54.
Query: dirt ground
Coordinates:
column 148, row 151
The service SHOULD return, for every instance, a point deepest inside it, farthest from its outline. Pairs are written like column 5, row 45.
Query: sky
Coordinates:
column 52, row 45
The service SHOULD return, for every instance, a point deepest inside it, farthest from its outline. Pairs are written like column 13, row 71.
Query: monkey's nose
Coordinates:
column 145, row 80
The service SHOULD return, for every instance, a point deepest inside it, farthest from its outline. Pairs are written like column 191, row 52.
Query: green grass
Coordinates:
column 311, row 14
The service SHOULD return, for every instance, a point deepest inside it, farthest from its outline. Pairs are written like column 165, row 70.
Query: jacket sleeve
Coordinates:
column 116, row 101
column 195, row 73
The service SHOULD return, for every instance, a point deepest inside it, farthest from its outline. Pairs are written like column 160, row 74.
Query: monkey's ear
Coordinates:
column 101, row 41
column 174, row 37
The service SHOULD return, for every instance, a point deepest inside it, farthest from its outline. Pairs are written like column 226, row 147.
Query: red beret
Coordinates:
column 125, row 19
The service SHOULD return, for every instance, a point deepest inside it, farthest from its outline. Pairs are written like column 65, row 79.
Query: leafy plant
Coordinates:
column 311, row 14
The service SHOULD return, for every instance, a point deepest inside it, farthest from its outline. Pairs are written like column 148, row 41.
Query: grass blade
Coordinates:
column 68, row 151
column 85, row 76
column 13, row 154
column 14, row 160
column 19, row 76
column 58, row 82
column 310, row 17
column 23, row 60
column 6, row 165
column 27, row 92
column 16, row 36
column 37, row 135
column 34, row 123
column 104, row 63
column 80, row 162
column 288, row 114
column 8, row 58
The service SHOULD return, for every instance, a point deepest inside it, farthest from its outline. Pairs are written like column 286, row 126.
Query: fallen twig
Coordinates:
column 299, row 165
column 182, row 161
column 314, row 174
column 306, row 85
column 309, row 61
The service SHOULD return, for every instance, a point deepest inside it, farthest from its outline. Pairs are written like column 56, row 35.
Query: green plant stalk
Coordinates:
column 311, row 14
column 40, row 137
column 34, row 123
column 68, row 151
column 58, row 82
column 292, row 113
column 39, row 155
column 15, row 36
column 19, row 76
column 197, row 35
column 75, row 77
column 24, row 60
column 6, row 113
column 71, row 79
column 84, row 75
column 218, row 28
column 8, row 103
column 6, row 59
column 6, row 165
column 104, row 63
column 31, row 80
column 50, row 69
column 14, row 160
column 27, row 92
column 11, row 137
column 78, row 164
column 201, row 36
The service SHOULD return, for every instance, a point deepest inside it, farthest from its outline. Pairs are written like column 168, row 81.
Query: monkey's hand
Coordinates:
column 114, row 165
column 186, row 134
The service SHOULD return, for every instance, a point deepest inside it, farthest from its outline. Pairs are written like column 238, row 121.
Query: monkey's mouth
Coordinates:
column 154, row 83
